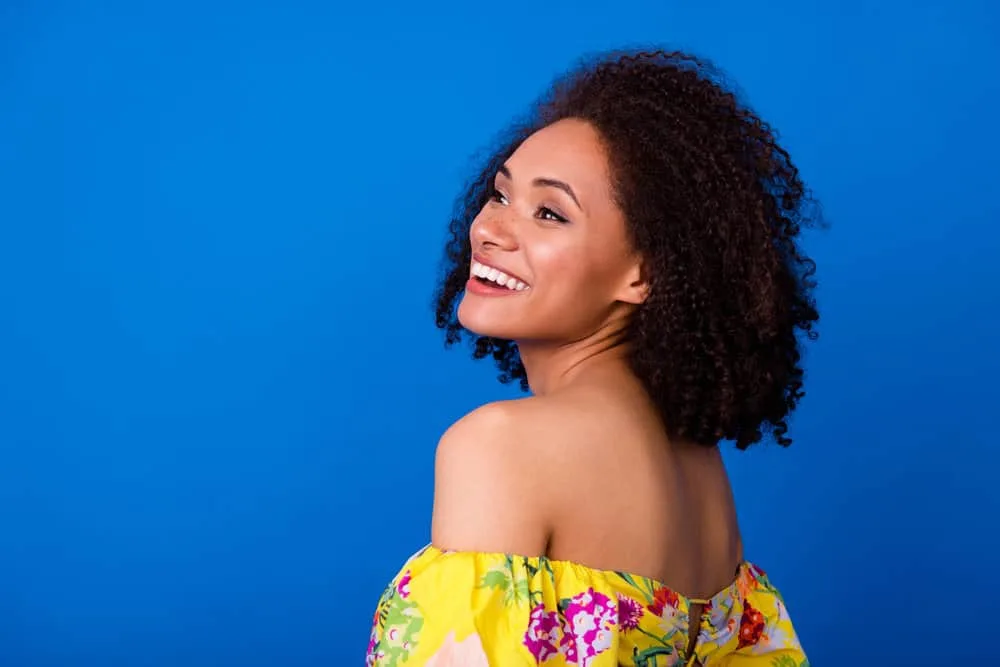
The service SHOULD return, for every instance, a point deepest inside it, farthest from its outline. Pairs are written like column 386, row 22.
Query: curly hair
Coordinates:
column 715, row 206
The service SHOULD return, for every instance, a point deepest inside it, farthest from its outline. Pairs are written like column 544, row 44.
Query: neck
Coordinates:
column 553, row 366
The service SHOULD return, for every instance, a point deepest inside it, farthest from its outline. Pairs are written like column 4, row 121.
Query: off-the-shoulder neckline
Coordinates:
column 743, row 569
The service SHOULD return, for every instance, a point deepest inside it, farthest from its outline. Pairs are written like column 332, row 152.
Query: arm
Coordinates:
column 488, row 491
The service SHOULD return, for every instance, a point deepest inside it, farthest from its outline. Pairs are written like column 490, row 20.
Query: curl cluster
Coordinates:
column 715, row 206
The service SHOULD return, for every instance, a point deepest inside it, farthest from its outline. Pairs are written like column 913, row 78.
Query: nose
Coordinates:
column 493, row 231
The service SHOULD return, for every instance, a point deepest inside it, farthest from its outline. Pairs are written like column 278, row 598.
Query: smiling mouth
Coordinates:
column 487, row 275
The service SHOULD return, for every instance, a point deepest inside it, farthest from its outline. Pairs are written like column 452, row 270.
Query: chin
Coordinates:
column 482, row 320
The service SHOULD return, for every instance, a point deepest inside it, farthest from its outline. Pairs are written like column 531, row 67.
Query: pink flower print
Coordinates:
column 629, row 613
column 467, row 653
column 568, row 650
column 543, row 633
column 588, row 628
column 372, row 656
column 403, row 587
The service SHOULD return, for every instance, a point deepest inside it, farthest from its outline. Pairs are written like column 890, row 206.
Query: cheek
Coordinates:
column 577, row 270
column 562, row 268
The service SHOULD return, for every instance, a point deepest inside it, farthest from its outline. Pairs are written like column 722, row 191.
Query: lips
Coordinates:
column 487, row 271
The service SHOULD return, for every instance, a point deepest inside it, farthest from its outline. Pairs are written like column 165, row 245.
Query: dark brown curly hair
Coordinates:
column 715, row 207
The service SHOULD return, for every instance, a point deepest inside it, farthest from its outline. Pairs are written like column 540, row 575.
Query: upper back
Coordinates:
column 627, row 497
column 569, row 523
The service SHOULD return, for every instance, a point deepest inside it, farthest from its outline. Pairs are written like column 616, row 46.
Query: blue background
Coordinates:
column 221, row 387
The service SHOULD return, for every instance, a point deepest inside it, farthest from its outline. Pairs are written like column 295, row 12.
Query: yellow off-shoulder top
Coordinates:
column 473, row 609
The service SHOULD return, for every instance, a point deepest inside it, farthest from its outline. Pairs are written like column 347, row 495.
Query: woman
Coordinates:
column 629, row 255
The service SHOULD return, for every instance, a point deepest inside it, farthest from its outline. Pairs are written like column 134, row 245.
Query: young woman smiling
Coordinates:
column 630, row 256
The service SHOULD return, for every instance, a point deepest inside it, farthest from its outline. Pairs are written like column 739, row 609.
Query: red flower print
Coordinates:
column 751, row 626
column 662, row 597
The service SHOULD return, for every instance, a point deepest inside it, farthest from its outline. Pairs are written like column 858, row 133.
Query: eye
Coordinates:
column 498, row 196
column 547, row 213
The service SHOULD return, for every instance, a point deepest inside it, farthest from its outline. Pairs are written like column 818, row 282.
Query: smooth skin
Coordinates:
column 582, row 470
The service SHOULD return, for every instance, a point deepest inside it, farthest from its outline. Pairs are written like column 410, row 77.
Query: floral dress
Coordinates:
column 472, row 609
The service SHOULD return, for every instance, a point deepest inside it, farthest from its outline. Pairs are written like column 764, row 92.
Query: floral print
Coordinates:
column 751, row 626
column 589, row 622
column 629, row 613
column 396, row 626
column 543, row 634
column 446, row 609
column 580, row 630
column 467, row 653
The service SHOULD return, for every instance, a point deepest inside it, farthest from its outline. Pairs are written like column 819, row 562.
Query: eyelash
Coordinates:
column 496, row 195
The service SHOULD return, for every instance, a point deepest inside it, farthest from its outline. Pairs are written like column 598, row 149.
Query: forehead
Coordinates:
column 570, row 150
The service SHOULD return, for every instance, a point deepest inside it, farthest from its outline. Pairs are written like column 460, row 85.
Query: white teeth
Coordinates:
column 497, row 276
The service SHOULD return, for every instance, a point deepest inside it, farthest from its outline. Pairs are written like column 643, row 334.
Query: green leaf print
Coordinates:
column 517, row 591
column 400, row 636
column 788, row 661
column 644, row 586
column 383, row 603
column 495, row 579
column 647, row 657
column 628, row 578
column 519, row 594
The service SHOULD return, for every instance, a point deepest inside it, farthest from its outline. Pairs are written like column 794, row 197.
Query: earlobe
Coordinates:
column 637, row 290
column 643, row 288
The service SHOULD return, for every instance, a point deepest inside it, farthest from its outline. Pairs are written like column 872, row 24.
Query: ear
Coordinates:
column 635, row 289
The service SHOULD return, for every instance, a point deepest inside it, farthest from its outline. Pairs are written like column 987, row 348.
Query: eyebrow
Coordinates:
column 547, row 183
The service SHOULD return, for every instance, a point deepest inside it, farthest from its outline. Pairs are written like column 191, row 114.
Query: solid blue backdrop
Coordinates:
column 221, row 387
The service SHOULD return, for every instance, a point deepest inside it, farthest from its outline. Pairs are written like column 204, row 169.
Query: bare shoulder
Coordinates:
column 491, row 469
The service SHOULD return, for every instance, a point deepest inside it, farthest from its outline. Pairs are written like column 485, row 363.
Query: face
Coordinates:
column 551, row 257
